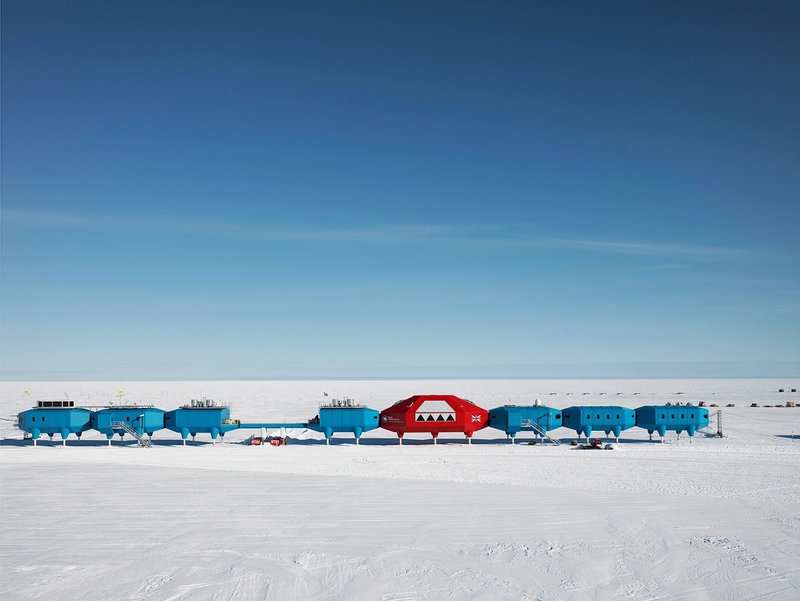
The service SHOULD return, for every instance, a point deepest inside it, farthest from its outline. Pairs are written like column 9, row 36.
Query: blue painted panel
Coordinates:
column 54, row 421
column 355, row 420
column 663, row 418
column 609, row 419
column 509, row 418
column 192, row 421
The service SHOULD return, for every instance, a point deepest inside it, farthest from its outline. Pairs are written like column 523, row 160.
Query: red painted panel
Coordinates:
column 434, row 414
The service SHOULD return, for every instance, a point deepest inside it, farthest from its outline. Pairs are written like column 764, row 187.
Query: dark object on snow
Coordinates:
column 596, row 445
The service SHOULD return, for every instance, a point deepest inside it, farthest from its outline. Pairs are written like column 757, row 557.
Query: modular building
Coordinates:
column 144, row 419
column 54, row 417
column 344, row 416
column 609, row 419
column 513, row 419
column 200, row 417
column 434, row 414
column 661, row 418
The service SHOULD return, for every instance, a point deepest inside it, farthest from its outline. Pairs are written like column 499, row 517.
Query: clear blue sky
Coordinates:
column 245, row 189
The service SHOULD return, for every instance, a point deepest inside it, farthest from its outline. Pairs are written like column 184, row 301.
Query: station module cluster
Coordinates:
column 429, row 414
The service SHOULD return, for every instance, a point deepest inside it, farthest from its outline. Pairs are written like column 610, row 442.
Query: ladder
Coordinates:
column 143, row 438
column 526, row 423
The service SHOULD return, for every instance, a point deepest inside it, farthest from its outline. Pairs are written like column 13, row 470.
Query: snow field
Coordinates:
column 712, row 519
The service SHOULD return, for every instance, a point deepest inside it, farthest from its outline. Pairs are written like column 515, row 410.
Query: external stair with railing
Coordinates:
column 710, row 431
column 539, row 431
column 142, row 437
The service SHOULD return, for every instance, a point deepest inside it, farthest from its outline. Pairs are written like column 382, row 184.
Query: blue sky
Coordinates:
column 225, row 190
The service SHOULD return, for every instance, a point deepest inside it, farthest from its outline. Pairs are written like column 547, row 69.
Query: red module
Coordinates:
column 434, row 413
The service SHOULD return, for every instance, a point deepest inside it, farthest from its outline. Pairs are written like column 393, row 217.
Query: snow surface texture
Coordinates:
column 714, row 519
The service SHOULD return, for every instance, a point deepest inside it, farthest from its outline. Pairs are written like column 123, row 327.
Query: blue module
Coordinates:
column 660, row 418
column 344, row 416
column 536, row 418
column 54, row 417
column 609, row 419
column 200, row 417
column 143, row 419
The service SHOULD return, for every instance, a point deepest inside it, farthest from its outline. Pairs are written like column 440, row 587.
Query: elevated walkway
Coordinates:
column 271, row 425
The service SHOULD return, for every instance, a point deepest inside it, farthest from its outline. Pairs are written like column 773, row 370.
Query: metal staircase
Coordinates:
column 539, row 431
column 708, row 431
column 143, row 438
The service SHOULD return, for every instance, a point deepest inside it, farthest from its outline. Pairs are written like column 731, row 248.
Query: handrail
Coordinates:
column 143, row 438
column 527, row 423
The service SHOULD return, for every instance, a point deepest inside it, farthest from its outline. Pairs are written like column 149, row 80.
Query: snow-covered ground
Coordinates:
column 714, row 519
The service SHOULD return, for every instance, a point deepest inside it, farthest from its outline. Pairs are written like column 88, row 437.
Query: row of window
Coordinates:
column 663, row 416
column 54, row 404
column 33, row 417
column 608, row 417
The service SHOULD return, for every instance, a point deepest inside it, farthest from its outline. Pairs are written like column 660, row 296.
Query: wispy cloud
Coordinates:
column 75, row 220
column 682, row 251
column 486, row 234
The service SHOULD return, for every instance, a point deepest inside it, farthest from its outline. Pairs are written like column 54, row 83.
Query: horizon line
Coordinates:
column 410, row 378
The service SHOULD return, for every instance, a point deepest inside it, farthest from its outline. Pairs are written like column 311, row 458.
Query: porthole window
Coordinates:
column 691, row 415
column 608, row 417
column 617, row 415
column 683, row 415
column 598, row 416
column 673, row 416
column 42, row 418
column 558, row 416
column 33, row 419
column 662, row 416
